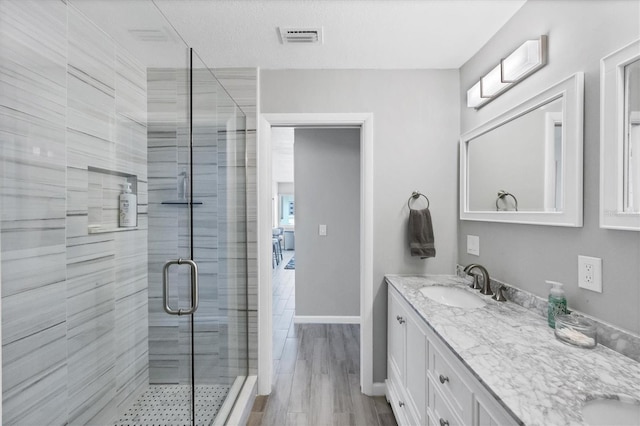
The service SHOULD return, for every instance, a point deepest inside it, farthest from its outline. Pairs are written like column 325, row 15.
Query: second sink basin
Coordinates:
column 452, row 296
column 617, row 412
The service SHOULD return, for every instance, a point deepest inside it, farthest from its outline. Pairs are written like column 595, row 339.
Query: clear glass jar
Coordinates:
column 576, row 330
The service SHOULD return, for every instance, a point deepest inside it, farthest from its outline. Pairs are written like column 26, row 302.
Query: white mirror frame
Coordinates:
column 612, row 139
column 571, row 90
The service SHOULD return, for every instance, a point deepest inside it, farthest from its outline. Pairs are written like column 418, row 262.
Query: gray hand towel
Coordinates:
column 421, row 239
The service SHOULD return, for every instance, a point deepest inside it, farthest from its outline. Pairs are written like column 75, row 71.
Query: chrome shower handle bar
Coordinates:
column 194, row 287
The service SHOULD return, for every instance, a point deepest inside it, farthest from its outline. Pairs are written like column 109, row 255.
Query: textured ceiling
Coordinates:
column 365, row 34
column 358, row 34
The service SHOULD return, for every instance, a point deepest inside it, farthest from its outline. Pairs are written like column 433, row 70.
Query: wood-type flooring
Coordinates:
column 316, row 370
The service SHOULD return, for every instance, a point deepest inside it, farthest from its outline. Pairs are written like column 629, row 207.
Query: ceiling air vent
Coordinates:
column 300, row 35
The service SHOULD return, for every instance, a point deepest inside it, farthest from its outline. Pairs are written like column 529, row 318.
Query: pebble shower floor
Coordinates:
column 170, row 405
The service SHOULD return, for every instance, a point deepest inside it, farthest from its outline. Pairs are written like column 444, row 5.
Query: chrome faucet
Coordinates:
column 486, row 281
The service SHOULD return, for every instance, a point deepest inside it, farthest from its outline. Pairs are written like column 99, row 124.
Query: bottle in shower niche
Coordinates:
column 557, row 302
column 128, row 213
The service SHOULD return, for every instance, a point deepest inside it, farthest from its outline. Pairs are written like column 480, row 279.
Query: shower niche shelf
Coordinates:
column 93, row 229
column 104, row 188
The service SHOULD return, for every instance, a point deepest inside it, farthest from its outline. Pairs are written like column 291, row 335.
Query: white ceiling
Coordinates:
column 364, row 34
column 358, row 34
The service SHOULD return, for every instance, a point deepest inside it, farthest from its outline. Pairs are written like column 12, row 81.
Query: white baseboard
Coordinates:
column 379, row 389
column 326, row 319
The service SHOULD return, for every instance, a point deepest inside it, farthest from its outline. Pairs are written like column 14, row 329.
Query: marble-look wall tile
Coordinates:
column 162, row 136
column 90, row 78
column 131, row 86
column 91, row 316
column 69, row 99
column 129, row 155
column 32, row 212
column 131, row 305
column 34, row 379
column 99, row 136
column 34, row 51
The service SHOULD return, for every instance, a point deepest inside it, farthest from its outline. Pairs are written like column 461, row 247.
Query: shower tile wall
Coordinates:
column 167, row 138
column 74, row 304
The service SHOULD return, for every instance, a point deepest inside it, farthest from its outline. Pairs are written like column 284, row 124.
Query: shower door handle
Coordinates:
column 194, row 287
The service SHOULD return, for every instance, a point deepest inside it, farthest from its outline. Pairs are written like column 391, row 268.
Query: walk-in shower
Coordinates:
column 102, row 323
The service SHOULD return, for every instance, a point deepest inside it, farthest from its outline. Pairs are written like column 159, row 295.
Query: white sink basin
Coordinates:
column 611, row 412
column 452, row 296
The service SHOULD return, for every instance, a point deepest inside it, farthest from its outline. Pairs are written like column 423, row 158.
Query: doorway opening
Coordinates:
column 265, row 228
column 316, row 195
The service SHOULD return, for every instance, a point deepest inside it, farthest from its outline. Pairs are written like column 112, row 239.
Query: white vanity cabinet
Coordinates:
column 406, row 362
column 427, row 384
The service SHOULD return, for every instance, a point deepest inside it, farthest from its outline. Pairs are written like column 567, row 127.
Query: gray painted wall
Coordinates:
column 327, row 191
column 580, row 34
column 416, row 129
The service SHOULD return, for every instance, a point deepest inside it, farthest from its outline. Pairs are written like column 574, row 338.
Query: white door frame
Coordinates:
column 365, row 121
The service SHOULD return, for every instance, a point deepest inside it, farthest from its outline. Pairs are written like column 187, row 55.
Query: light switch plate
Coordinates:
column 473, row 245
column 590, row 273
column 322, row 230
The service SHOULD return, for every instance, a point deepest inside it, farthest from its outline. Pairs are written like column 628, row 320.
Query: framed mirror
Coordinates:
column 620, row 139
column 525, row 166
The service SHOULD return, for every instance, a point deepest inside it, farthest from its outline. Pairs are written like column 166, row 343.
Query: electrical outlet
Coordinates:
column 322, row 230
column 590, row 273
column 473, row 245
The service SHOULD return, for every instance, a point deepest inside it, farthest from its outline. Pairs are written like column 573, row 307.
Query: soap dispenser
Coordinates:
column 128, row 213
column 557, row 302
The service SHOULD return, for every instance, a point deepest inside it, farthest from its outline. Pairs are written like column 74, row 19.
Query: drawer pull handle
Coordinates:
column 401, row 404
column 443, row 379
column 443, row 422
column 400, row 319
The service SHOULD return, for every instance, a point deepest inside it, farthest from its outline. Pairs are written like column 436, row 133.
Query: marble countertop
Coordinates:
column 515, row 354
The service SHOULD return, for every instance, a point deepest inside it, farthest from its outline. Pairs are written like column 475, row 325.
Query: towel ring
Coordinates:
column 415, row 195
column 501, row 194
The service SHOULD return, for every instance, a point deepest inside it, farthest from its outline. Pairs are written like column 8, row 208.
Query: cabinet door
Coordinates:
column 440, row 412
column 396, row 338
column 447, row 376
column 416, row 369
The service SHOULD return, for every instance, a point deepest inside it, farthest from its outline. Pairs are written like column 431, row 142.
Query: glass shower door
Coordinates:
column 198, row 334
column 172, row 275
column 220, row 248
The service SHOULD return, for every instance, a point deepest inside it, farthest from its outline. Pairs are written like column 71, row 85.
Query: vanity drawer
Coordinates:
column 444, row 378
column 439, row 411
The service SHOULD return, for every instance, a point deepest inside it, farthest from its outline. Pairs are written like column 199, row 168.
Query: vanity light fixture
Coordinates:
column 474, row 99
column 525, row 60
column 491, row 85
column 521, row 63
